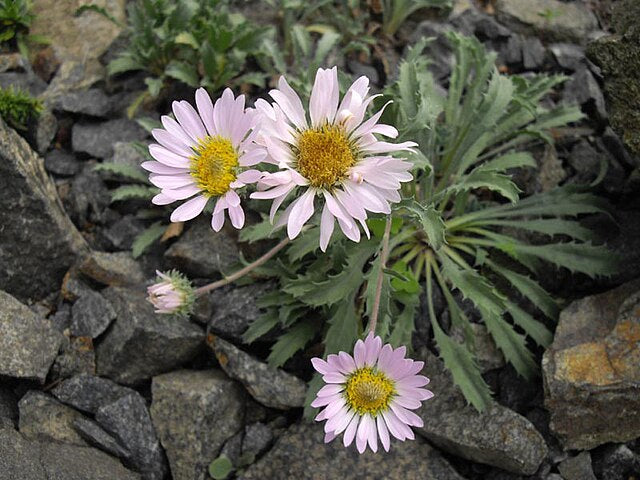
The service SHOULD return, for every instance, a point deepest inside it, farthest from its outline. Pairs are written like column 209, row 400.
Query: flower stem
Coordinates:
column 384, row 255
column 243, row 271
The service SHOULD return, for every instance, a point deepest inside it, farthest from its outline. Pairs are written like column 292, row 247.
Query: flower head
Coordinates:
column 336, row 156
column 370, row 395
column 172, row 293
column 203, row 154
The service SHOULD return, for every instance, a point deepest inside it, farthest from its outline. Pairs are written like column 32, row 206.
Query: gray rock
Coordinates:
column 577, row 468
column 141, row 344
column 28, row 344
column 8, row 406
column 474, row 22
column 583, row 89
column 68, row 462
column 24, row 81
column 41, row 134
column 95, row 436
column 61, row 320
column 585, row 160
column 270, row 386
column 511, row 52
column 19, row 458
column 618, row 56
column 125, row 153
column 533, row 53
column 440, row 54
column 568, row 55
column 487, row 354
column 232, row 448
column 93, row 102
column 614, row 145
column 301, row 453
column 122, row 233
column 257, row 439
column 590, row 371
column 91, row 315
column 42, row 417
column 77, row 357
column 194, row 413
column 235, row 308
column 39, row 242
column 201, row 252
column 89, row 197
column 615, row 461
column 553, row 19
column 498, row 436
column 114, row 269
column 89, row 393
column 358, row 69
column 61, row 163
column 128, row 420
column 97, row 139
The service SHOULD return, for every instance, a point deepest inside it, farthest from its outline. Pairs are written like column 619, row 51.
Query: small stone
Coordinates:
column 77, row 357
column 498, row 436
column 42, row 417
column 73, row 287
column 91, row 315
column 553, row 19
column 474, row 22
column 615, row 461
column 97, row 139
column 61, row 163
column 257, row 439
column 89, row 393
column 440, row 54
column 89, row 198
column 194, row 413
column 590, row 371
column 94, row 435
column 585, row 160
column 28, row 344
column 512, row 50
column 235, row 308
column 201, row 252
column 39, row 242
column 533, row 53
column 43, row 132
column 301, row 453
column 141, row 344
column 61, row 320
column 270, row 386
column 568, row 55
column 93, row 102
column 128, row 420
column 114, row 269
column 583, row 89
column 577, row 468
column 487, row 354
column 122, row 233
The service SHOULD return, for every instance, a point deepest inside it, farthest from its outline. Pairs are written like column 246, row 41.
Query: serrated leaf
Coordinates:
column 146, row 238
column 431, row 222
column 184, row 72
column 123, row 63
column 296, row 338
column 549, row 226
column 127, row 192
column 404, row 324
column 343, row 327
column 532, row 327
column 307, row 242
column 491, row 180
column 124, row 170
column 256, row 232
column 510, row 160
column 261, row 326
column 325, row 44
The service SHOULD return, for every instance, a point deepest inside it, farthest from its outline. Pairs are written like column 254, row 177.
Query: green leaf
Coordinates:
column 405, row 281
column 123, row 63
column 257, row 232
column 315, row 385
column 221, row 468
column 430, row 221
column 491, row 180
column 146, row 238
column 261, row 326
column 532, row 327
column 296, row 338
column 510, row 160
column 325, row 44
column 183, row 72
column 343, row 327
column 99, row 10
column 187, row 38
column 124, row 170
column 404, row 325
column 306, row 243
column 127, row 192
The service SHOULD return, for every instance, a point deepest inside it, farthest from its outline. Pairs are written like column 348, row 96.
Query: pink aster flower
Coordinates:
column 334, row 155
column 370, row 395
column 172, row 293
column 203, row 154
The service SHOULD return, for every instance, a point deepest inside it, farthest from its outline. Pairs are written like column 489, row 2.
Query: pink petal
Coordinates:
column 300, row 212
column 236, row 214
column 329, row 436
column 252, row 157
column 359, row 354
column 383, row 433
column 182, row 192
column 171, row 181
column 162, row 199
column 249, row 176
column 290, row 103
column 334, row 378
column 177, row 131
column 171, row 143
column 350, row 432
column 347, row 362
column 189, row 119
column 169, row 158
column 205, row 110
column 323, row 401
column 326, row 227
column 217, row 220
column 189, row 209
column 406, row 416
column 396, row 427
column 157, row 167
column 330, row 389
column 373, row 437
column 320, row 365
column 373, row 346
column 414, row 381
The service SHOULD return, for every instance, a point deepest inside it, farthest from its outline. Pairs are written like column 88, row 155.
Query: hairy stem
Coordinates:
column 243, row 271
column 384, row 255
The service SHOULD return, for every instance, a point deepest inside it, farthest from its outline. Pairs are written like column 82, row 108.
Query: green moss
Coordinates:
column 18, row 107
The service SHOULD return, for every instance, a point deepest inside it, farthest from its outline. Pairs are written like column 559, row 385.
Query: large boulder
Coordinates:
column 28, row 343
column 194, row 413
column 618, row 56
column 38, row 242
column 591, row 370
column 498, row 436
column 301, row 453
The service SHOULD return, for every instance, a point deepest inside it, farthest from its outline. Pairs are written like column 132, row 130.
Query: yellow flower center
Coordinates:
column 213, row 165
column 324, row 154
column 369, row 391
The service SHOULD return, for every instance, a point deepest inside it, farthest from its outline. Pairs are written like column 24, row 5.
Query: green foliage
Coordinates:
column 461, row 227
column 146, row 238
column 18, row 107
column 198, row 42
column 15, row 20
column 395, row 12
column 221, row 468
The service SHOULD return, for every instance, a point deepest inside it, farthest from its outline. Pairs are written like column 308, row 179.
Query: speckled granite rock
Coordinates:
column 577, row 468
column 96, row 436
column 590, row 371
column 301, row 453
column 39, row 242
column 42, row 417
column 194, row 413
column 201, row 252
column 28, row 344
column 128, row 420
column 141, row 344
column 89, row 393
column 97, row 139
column 91, row 315
column 498, row 436
column 270, row 386
column 115, row 269
column 76, row 357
